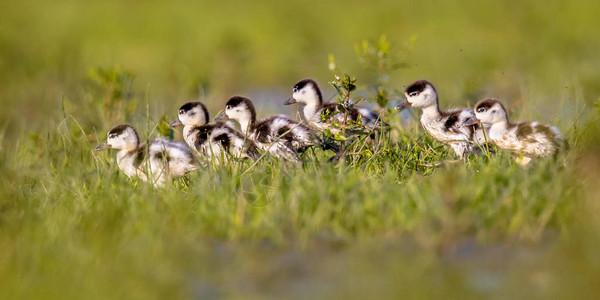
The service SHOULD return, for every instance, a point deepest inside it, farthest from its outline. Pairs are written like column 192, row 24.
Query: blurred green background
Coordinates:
column 72, row 226
column 179, row 50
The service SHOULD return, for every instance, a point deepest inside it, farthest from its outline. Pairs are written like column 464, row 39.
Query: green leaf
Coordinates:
column 340, row 137
column 164, row 129
column 337, row 88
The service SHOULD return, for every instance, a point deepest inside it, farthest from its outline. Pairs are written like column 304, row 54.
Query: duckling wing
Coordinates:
column 274, row 135
column 370, row 118
column 303, row 137
column 264, row 130
column 181, row 160
column 450, row 126
column 217, row 139
column 202, row 139
column 539, row 139
column 173, row 159
column 237, row 143
column 221, row 140
column 293, row 134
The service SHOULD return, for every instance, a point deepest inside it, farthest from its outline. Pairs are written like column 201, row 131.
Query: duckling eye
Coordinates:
column 112, row 135
column 413, row 94
column 295, row 90
column 228, row 107
column 481, row 109
column 181, row 111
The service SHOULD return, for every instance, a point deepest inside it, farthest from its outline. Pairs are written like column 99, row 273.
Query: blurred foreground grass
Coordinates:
column 71, row 225
column 74, row 226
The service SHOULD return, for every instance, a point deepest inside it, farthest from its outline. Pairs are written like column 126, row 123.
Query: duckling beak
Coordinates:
column 102, row 146
column 290, row 101
column 176, row 123
column 403, row 105
column 222, row 116
column 471, row 121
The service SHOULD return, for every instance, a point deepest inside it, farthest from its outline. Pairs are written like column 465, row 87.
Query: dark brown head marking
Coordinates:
column 191, row 105
column 237, row 100
column 302, row 83
column 486, row 104
column 119, row 129
column 417, row 86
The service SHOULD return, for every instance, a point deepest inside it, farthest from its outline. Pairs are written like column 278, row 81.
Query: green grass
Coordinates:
column 73, row 225
column 379, row 225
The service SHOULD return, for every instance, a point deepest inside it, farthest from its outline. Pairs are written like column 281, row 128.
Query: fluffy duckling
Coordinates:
column 527, row 139
column 279, row 135
column 215, row 139
column 308, row 93
column 161, row 158
column 445, row 126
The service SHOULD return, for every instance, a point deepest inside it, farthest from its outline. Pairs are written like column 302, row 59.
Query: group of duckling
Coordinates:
column 466, row 131
column 470, row 131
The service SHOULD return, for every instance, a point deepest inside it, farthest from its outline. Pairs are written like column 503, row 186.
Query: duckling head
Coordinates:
column 490, row 111
column 121, row 137
column 419, row 94
column 240, row 109
column 306, row 92
column 191, row 114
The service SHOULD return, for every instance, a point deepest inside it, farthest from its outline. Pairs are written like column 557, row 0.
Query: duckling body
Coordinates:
column 530, row 139
column 159, row 160
column 215, row 139
column 218, row 139
column 279, row 135
column 300, row 137
column 445, row 126
column 318, row 114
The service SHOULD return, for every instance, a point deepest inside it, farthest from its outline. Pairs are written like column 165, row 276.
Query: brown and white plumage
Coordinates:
column 214, row 140
column 279, row 135
column 159, row 160
column 530, row 139
column 318, row 114
column 445, row 126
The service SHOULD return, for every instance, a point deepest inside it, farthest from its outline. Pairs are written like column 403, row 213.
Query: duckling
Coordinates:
column 161, row 158
column 445, row 126
column 308, row 93
column 528, row 139
column 215, row 139
column 279, row 135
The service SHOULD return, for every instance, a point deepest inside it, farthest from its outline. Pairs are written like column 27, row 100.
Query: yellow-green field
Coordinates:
column 382, row 224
